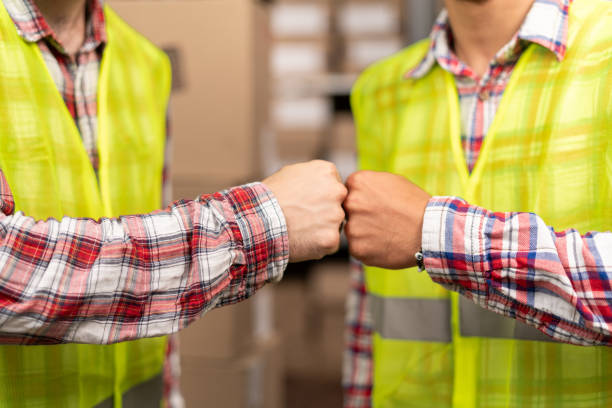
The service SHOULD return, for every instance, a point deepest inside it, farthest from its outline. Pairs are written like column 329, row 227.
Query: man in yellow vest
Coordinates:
column 507, row 105
column 83, row 100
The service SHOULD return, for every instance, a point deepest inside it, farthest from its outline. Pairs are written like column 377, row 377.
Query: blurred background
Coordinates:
column 259, row 84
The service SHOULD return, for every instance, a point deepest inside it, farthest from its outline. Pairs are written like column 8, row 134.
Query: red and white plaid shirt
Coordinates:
column 576, row 305
column 201, row 254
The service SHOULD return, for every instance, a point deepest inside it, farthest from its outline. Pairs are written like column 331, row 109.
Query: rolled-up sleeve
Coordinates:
column 515, row 265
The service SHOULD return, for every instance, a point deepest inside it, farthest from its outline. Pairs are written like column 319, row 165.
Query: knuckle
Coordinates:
column 328, row 170
column 329, row 240
column 322, row 164
column 356, row 179
column 312, row 166
column 339, row 215
column 348, row 204
column 342, row 190
column 328, row 165
column 350, row 180
column 351, row 202
column 356, row 249
column 333, row 172
column 359, row 175
column 356, row 176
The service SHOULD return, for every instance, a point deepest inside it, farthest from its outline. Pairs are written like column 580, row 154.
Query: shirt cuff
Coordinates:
column 262, row 229
column 451, row 242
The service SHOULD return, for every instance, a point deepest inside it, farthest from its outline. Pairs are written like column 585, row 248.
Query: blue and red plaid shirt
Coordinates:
column 576, row 306
column 240, row 244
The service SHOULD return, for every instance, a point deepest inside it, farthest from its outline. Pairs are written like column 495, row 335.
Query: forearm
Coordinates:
column 512, row 263
column 78, row 280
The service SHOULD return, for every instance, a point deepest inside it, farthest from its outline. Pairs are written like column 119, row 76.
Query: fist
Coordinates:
column 385, row 219
column 310, row 195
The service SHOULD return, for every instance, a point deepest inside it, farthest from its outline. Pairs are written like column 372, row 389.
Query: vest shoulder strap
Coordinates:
column 385, row 75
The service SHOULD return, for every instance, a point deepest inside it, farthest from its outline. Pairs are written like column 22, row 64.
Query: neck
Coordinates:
column 482, row 27
column 67, row 20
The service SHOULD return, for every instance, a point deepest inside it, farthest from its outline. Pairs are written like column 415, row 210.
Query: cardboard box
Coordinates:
column 220, row 69
column 226, row 332
column 300, row 20
column 300, row 145
column 293, row 317
column 335, row 142
column 328, row 286
column 343, row 133
column 311, row 318
column 298, row 58
column 360, row 53
column 366, row 18
column 301, row 113
column 252, row 380
column 190, row 188
column 301, row 127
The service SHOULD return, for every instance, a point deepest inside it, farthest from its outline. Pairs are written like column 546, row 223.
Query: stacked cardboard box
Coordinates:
column 299, row 32
column 300, row 126
column 318, row 48
column 328, row 287
column 254, row 380
column 368, row 30
column 299, row 53
column 364, row 31
column 311, row 318
column 232, row 357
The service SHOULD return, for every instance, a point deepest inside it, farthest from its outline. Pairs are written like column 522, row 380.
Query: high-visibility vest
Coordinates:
column 45, row 163
column 549, row 152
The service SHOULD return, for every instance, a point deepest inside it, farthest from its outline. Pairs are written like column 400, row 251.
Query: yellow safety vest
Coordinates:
column 48, row 170
column 549, row 152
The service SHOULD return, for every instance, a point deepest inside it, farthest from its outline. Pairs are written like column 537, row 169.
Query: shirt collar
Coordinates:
column 32, row 26
column 546, row 24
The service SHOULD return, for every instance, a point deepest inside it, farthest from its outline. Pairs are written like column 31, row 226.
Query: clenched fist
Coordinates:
column 385, row 219
column 310, row 195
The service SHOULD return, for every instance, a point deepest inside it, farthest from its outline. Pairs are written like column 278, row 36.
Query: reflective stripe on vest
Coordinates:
column 402, row 319
column 44, row 161
column 478, row 322
column 549, row 137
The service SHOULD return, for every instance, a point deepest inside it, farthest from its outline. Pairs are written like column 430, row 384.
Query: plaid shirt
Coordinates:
column 571, row 298
column 240, row 244
column 577, row 311
column 479, row 97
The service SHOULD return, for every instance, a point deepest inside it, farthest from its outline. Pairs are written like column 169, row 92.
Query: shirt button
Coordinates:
column 484, row 94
